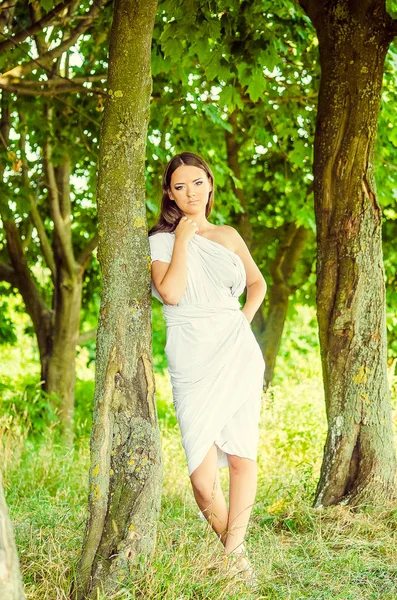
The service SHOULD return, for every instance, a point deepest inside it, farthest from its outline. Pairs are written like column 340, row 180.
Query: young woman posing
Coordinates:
column 216, row 366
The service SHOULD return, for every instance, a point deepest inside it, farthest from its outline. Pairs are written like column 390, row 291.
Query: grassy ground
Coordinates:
column 299, row 552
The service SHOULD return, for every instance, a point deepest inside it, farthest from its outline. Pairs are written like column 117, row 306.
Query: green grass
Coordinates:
column 299, row 552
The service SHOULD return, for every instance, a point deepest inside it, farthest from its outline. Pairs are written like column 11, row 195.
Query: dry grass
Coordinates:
column 299, row 552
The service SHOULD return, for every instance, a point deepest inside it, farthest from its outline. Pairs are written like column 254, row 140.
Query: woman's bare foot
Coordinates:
column 238, row 563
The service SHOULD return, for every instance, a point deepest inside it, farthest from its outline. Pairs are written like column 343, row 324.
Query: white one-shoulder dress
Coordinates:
column 215, row 364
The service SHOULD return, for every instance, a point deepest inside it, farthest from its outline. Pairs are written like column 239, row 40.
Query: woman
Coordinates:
column 199, row 270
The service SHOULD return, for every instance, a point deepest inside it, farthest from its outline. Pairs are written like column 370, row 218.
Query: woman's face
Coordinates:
column 190, row 188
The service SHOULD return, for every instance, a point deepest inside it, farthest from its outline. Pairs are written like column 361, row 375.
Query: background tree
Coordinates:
column 46, row 219
column 359, row 457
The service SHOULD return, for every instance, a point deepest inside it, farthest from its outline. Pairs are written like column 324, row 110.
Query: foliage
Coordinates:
column 245, row 70
column 386, row 176
column 7, row 327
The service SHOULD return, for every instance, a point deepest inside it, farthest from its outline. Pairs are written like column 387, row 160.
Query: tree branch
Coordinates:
column 62, row 177
column 29, row 83
column 86, row 253
column 41, row 232
column 18, row 273
column 305, row 276
column 7, row 273
column 61, row 229
column 21, row 36
column 61, row 89
column 34, row 213
column 86, row 336
column 24, row 279
column 47, row 58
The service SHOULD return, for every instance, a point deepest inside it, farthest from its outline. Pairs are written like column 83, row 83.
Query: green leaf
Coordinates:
column 213, row 113
column 391, row 7
column 172, row 47
column 256, row 85
column 231, row 98
column 47, row 4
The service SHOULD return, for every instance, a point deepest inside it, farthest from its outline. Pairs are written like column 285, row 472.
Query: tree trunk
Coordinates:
column 11, row 586
column 287, row 258
column 57, row 330
column 126, row 467
column 60, row 377
column 269, row 330
column 359, row 458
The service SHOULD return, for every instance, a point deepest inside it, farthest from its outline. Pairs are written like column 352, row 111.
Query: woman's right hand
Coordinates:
column 186, row 229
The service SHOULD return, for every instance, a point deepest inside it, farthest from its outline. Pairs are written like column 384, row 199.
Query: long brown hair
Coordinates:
column 170, row 214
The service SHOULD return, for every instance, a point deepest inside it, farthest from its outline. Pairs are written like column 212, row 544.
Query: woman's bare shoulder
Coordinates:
column 232, row 236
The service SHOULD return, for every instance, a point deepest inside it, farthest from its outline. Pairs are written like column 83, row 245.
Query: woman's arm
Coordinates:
column 170, row 279
column 255, row 295
column 256, row 284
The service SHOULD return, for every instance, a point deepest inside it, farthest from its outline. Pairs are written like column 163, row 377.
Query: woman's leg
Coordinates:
column 242, row 491
column 208, row 493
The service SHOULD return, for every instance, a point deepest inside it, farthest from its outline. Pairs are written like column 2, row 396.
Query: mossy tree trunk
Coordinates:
column 359, row 458
column 126, row 468
column 11, row 586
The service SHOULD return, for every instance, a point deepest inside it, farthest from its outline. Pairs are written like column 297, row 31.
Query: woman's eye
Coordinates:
column 180, row 187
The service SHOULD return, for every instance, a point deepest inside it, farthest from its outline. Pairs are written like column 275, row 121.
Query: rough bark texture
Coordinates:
column 126, row 468
column 11, row 586
column 359, row 458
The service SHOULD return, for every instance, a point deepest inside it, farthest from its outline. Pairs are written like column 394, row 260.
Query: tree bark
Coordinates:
column 359, row 458
column 126, row 468
column 11, row 585
column 60, row 373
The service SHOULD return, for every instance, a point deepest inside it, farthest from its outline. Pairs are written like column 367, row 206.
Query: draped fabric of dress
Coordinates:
column 215, row 363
